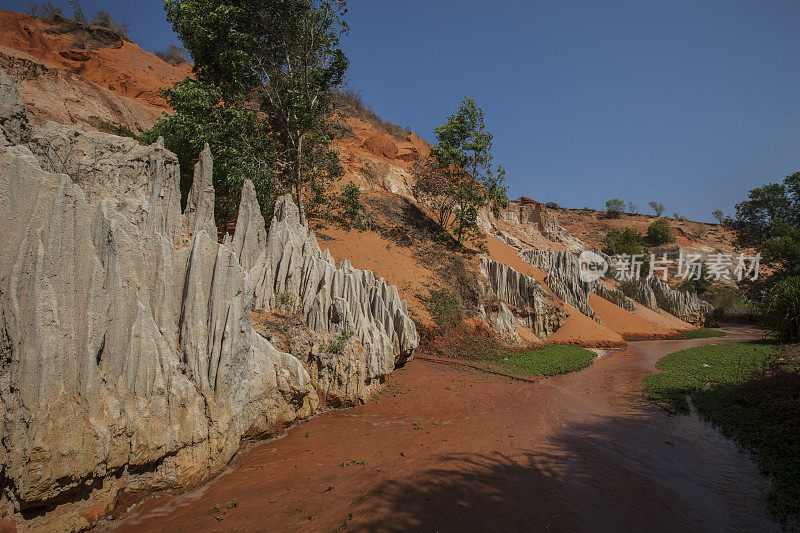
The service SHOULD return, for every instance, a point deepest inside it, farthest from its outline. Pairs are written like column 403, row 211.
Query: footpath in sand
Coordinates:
column 452, row 450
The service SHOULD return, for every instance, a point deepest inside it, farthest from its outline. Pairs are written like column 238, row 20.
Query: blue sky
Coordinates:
column 690, row 103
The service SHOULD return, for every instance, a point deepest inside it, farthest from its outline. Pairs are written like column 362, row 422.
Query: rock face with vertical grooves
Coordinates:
column 502, row 321
column 533, row 219
column 127, row 356
column 344, row 301
column 644, row 295
column 199, row 212
column 563, row 277
column 139, row 181
column 616, row 297
column 526, row 298
column 14, row 122
column 123, row 351
column 250, row 235
column 683, row 304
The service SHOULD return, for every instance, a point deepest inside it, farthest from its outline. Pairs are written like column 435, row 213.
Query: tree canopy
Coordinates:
column 260, row 95
column 459, row 176
column 769, row 221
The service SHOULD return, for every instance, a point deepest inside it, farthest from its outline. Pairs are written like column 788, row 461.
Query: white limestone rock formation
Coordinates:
column 128, row 360
column 614, row 296
column 127, row 354
column 563, row 277
column 199, row 212
column 502, row 321
column 250, row 236
column 683, row 304
column 523, row 297
column 141, row 182
column 534, row 224
column 14, row 123
column 347, row 303
column 644, row 295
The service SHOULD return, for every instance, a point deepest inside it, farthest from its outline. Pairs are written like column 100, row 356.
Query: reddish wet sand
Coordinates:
column 444, row 449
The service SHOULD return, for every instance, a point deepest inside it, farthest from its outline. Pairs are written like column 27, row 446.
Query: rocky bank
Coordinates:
column 128, row 358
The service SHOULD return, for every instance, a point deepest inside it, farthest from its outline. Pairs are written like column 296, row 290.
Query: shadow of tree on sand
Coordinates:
column 646, row 472
column 470, row 492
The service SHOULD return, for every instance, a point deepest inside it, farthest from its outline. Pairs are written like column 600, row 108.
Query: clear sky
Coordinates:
column 690, row 103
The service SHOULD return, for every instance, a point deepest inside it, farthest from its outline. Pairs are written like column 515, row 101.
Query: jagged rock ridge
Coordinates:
column 683, row 304
column 127, row 352
column 563, row 277
column 344, row 301
column 529, row 302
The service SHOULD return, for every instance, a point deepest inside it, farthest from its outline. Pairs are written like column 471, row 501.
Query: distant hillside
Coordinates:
column 71, row 74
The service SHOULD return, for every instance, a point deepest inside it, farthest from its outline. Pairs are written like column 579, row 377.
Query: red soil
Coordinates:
column 444, row 449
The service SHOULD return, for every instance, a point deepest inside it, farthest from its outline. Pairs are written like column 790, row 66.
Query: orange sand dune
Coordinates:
column 662, row 318
column 396, row 264
column 121, row 67
column 582, row 330
column 508, row 255
column 627, row 324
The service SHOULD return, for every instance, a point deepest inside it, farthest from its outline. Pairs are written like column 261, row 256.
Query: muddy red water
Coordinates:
column 444, row 449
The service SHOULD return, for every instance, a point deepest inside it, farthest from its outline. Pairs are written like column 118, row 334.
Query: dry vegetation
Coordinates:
column 98, row 32
column 350, row 103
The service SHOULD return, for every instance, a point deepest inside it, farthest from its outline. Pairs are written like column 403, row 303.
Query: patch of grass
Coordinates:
column 751, row 392
column 703, row 333
column 549, row 361
column 693, row 369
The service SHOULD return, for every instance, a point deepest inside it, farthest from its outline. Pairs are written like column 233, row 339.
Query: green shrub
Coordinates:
column 627, row 241
column 629, row 288
column 353, row 213
column 445, row 308
column 552, row 205
column 614, row 208
column 660, row 232
column 730, row 305
column 781, row 309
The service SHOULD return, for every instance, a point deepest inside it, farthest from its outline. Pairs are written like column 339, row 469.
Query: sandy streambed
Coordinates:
column 444, row 449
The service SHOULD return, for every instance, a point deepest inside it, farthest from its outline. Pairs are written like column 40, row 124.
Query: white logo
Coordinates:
column 592, row 266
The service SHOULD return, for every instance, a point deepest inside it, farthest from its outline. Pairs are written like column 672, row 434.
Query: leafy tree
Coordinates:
column 627, row 242
column 614, row 208
column 240, row 140
column 769, row 221
column 459, row 176
column 632, row 209
column 657, row 207
column 274, row 61
column 352, row 211
column 718, row 215
column 660, row 232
